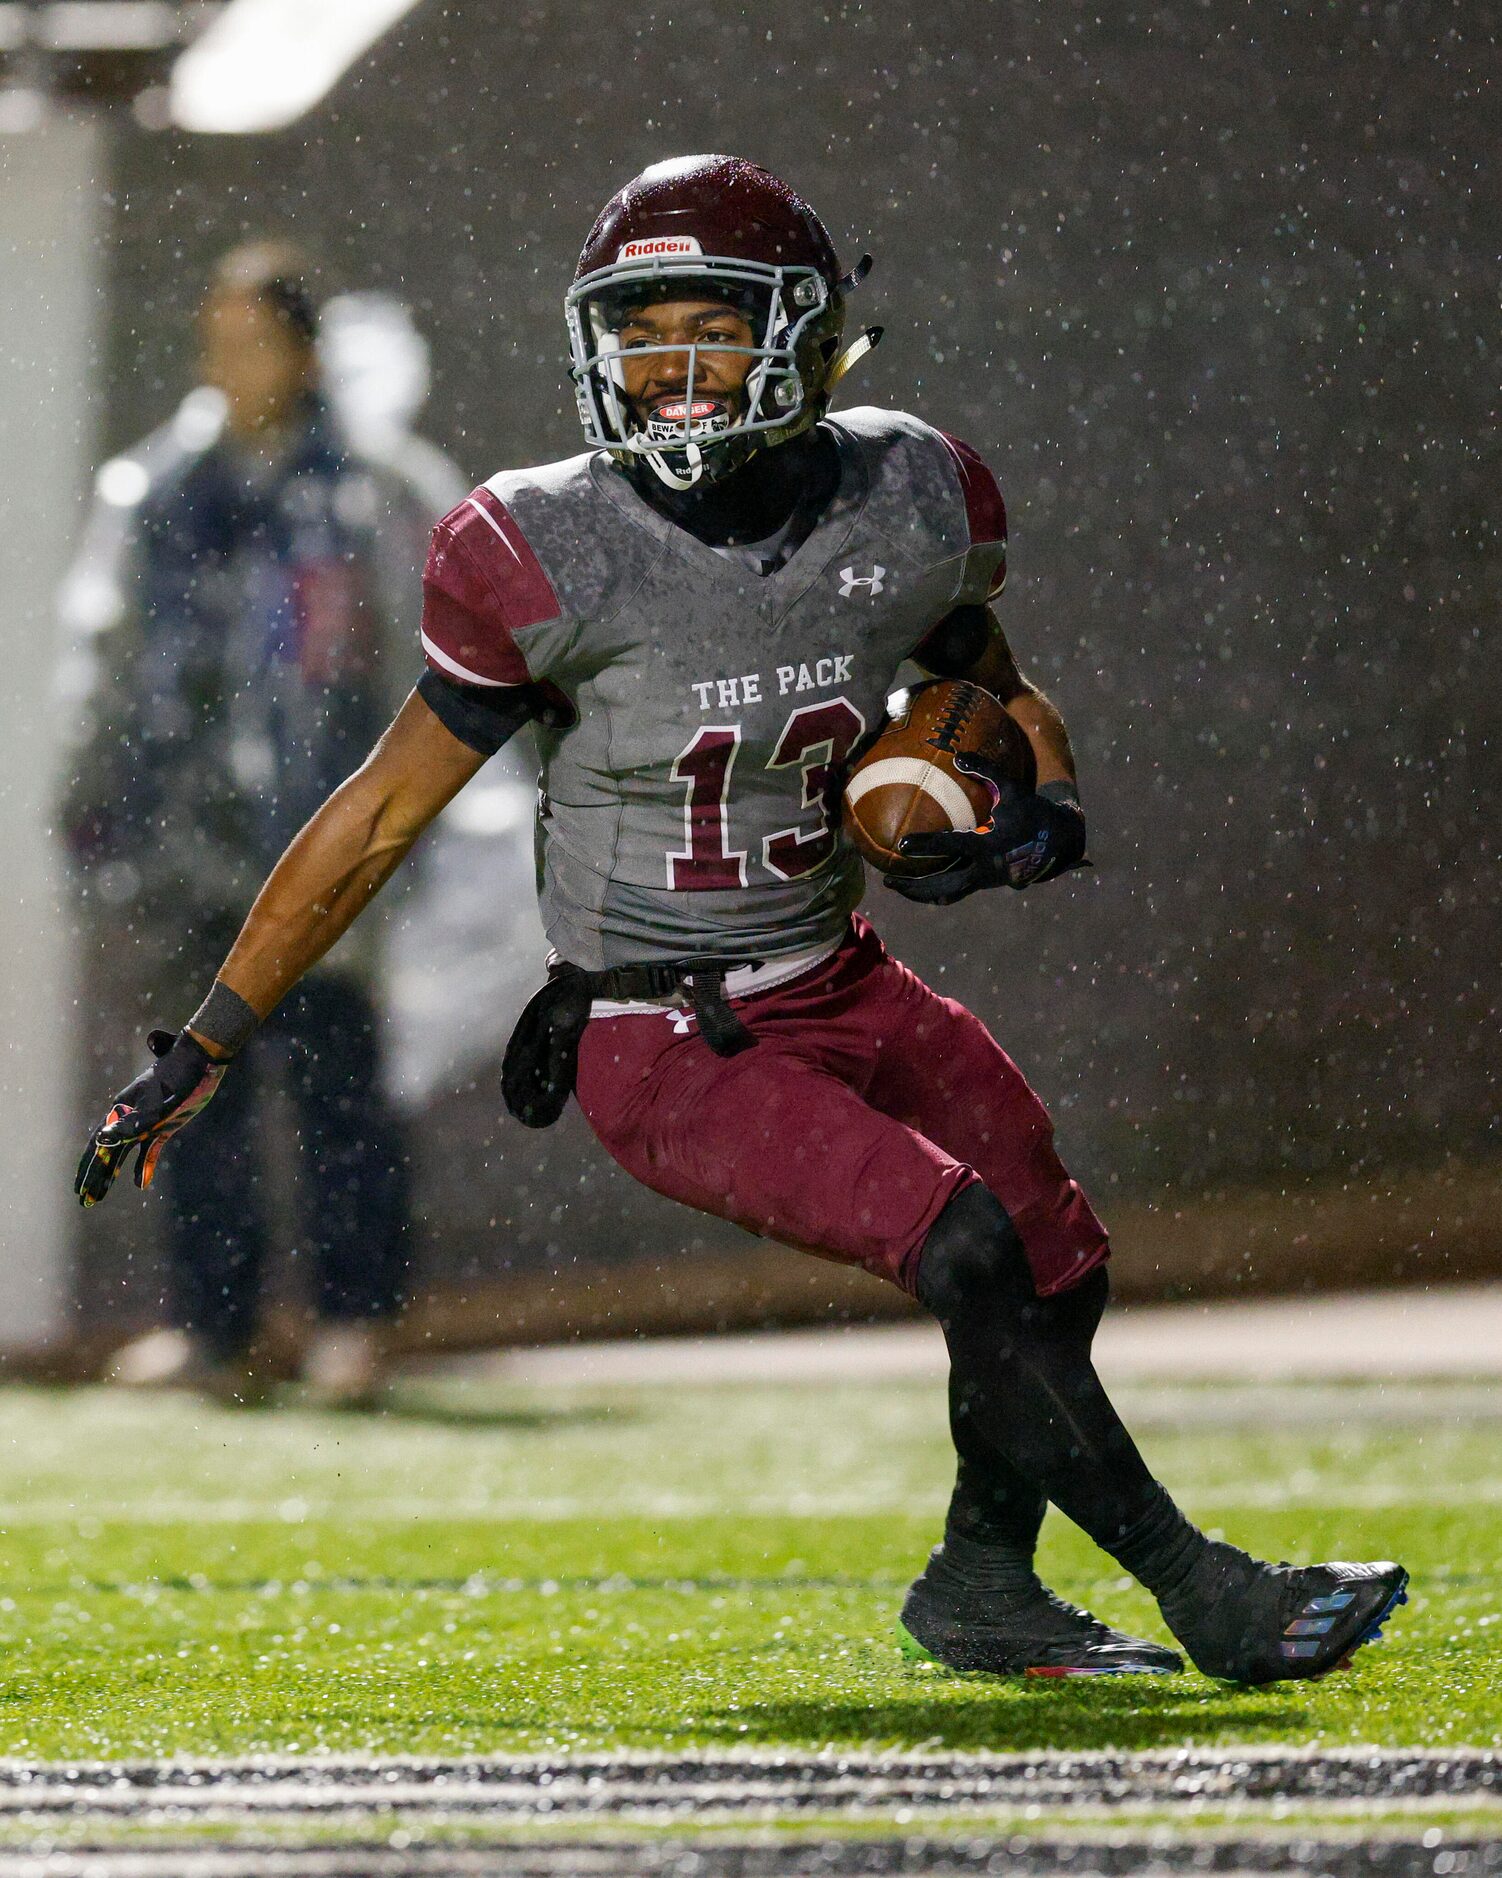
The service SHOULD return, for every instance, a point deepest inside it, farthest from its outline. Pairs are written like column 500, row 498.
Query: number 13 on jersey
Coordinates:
column 815, row 740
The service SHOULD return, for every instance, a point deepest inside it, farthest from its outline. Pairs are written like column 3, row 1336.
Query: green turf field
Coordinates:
column 489, row 1569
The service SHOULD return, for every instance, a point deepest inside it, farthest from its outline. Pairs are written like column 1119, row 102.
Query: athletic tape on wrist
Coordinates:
column 224, row 1019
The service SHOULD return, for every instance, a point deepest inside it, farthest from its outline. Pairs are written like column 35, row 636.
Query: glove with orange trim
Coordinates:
column 1029, row 838
column 148, row 1113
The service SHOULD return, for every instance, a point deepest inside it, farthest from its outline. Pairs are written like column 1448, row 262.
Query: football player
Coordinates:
column 703, row 615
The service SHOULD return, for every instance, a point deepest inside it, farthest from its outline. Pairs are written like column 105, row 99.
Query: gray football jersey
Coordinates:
column 687, row 808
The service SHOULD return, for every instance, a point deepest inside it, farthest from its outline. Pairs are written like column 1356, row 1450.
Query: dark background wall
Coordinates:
column 1213, row 287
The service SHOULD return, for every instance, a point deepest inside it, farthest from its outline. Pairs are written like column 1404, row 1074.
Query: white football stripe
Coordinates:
column 912, row 772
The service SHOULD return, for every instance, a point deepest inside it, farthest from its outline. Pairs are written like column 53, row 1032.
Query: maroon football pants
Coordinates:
column 867, row 1102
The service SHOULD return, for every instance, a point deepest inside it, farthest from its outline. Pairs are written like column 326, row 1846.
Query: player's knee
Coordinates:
column 973, row 1258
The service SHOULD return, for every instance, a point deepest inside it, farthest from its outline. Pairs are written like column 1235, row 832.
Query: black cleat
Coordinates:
column 1022, row 1630
column 1245, row 1621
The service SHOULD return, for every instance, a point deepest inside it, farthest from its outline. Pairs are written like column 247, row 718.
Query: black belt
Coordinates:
column 542, row 1058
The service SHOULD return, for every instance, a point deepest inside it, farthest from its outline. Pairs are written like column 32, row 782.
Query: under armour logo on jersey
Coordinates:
column 850, row 580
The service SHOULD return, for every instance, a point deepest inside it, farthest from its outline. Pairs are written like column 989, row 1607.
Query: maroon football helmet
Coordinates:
column 709, row 226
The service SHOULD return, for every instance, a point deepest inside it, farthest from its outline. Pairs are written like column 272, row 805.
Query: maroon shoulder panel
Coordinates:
column 482, row 584
column 983, row 504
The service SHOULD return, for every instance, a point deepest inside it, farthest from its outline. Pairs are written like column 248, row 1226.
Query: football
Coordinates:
column 906, row 782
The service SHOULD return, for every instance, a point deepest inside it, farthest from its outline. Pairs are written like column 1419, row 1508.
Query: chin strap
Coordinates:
column 693, row 456
column 869, row 340
column 849, row 282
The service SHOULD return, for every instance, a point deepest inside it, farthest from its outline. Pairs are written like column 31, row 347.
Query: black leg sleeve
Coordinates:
column 993, row 1505
column 1023, row 1390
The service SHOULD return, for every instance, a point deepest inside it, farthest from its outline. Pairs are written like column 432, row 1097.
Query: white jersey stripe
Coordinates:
column 452, row 666
column 487, row 517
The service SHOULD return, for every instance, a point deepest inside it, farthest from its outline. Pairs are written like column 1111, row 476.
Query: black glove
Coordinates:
column 1028, row 838
column 148, row 1114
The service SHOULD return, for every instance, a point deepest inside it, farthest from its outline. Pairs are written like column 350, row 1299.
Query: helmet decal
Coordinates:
column 658, row 245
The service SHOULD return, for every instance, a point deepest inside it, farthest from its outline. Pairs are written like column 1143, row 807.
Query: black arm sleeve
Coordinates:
column 483, row 716
column 956, row 642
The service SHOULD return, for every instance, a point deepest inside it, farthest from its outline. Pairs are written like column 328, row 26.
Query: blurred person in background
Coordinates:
column 240, row 617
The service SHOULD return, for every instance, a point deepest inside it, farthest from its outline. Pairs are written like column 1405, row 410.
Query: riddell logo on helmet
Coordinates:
column 658, row 245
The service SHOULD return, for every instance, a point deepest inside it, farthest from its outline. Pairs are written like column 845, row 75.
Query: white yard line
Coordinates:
column 386, row 1808
column 694, row 1785
column 1145, row 1855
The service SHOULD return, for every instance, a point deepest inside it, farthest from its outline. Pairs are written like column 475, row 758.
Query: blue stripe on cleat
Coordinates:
column 1335, row 1601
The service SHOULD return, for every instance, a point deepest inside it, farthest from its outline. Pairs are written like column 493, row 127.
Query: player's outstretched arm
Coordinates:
column 329, row 874
column 344, row 856
column 1032, row 836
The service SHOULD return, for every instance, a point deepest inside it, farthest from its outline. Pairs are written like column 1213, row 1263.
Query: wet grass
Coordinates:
column 491, row 1569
